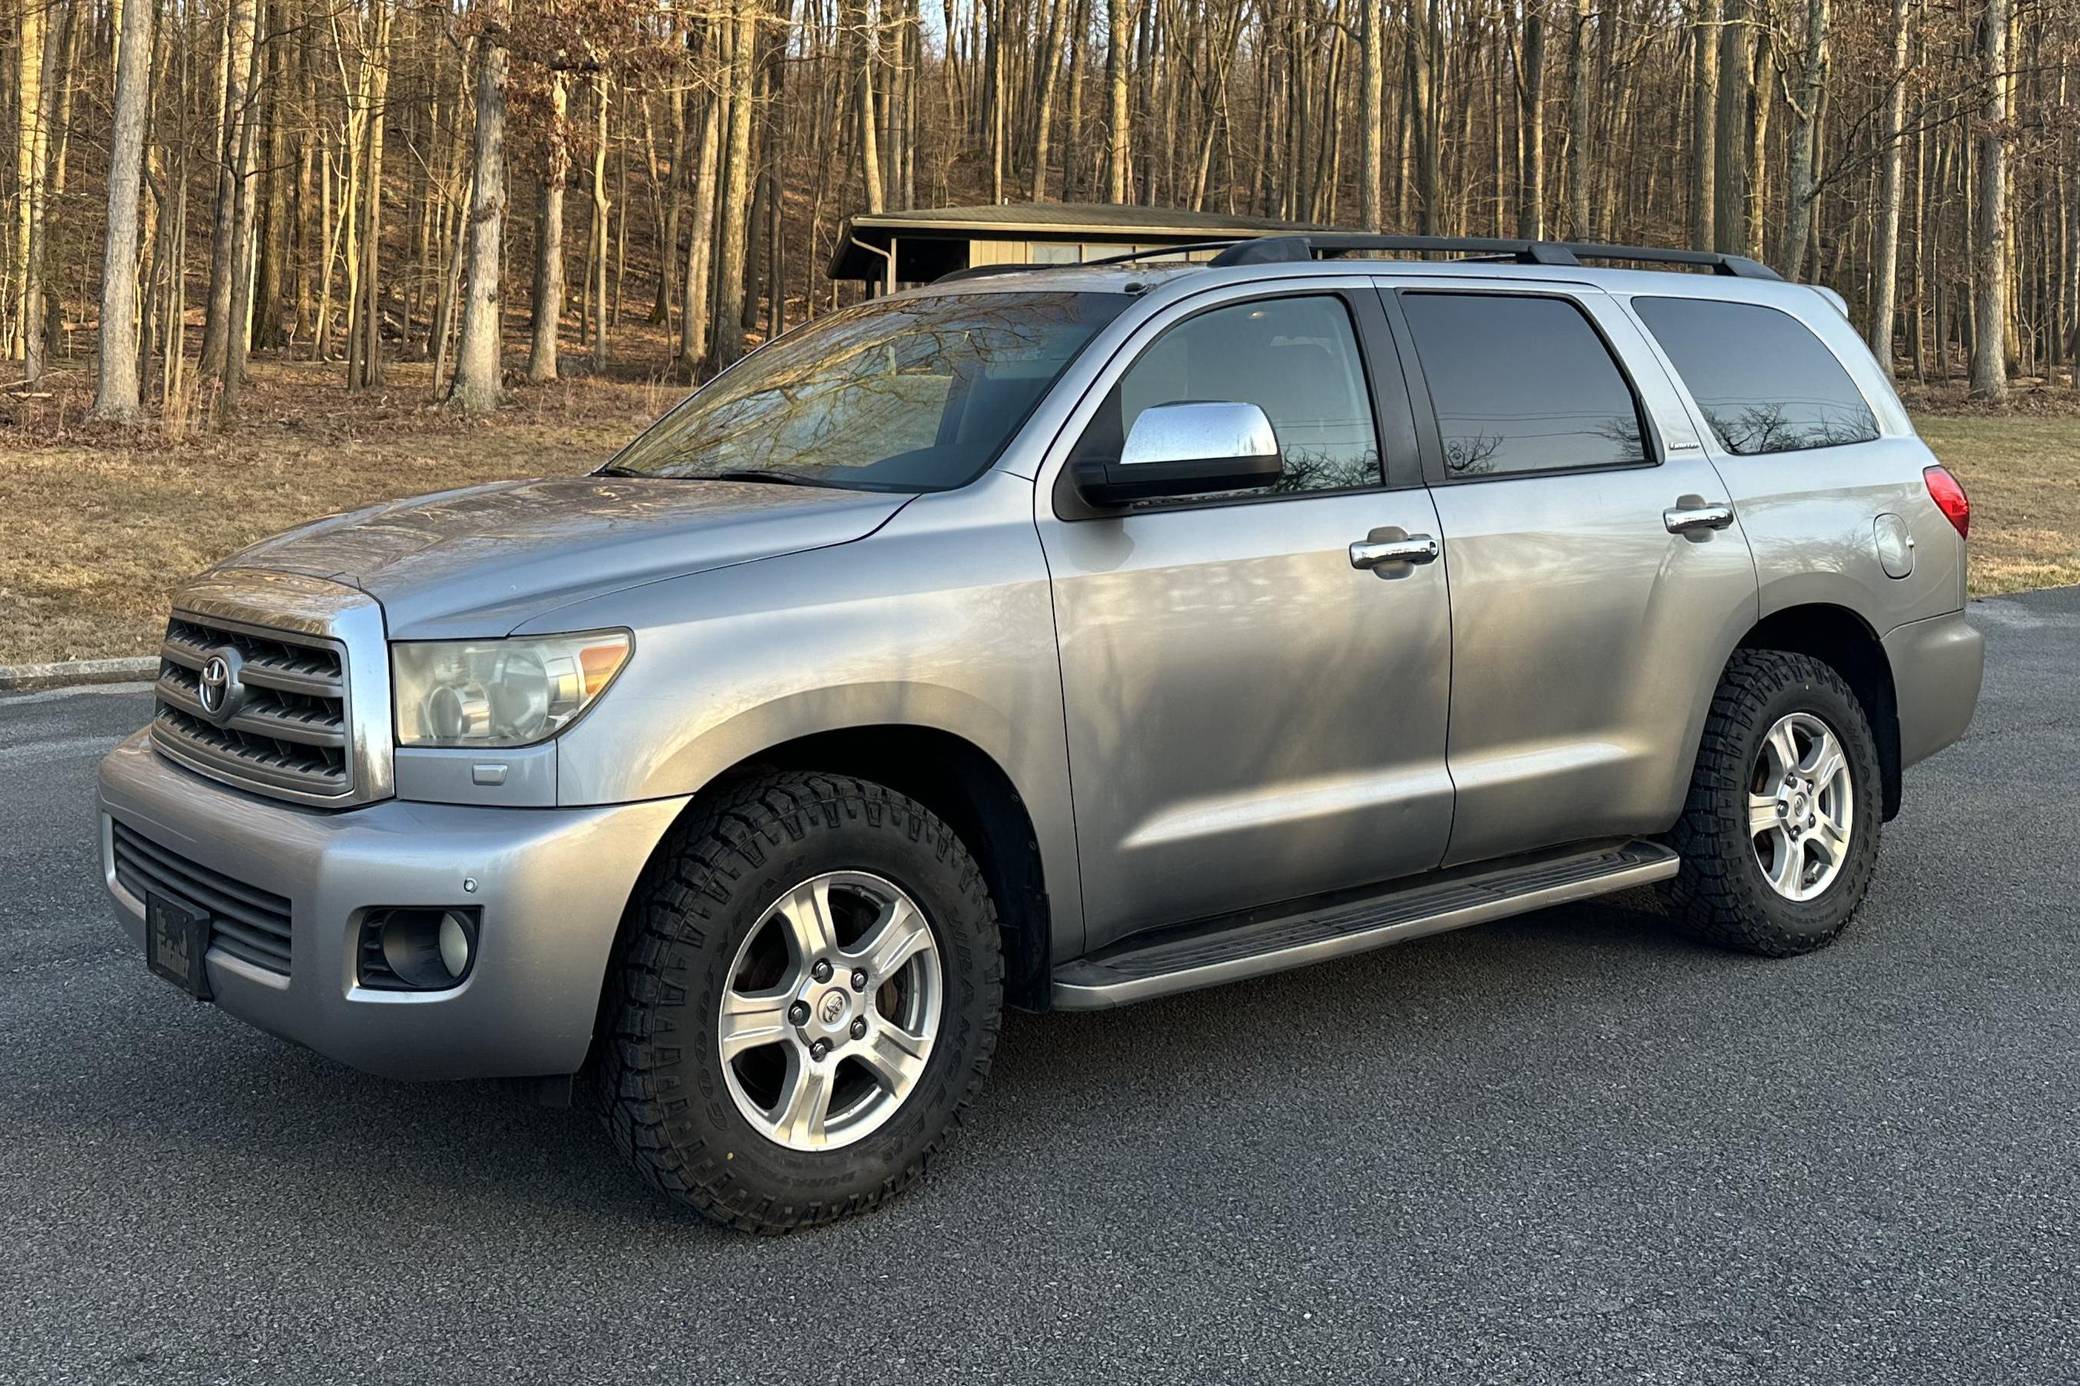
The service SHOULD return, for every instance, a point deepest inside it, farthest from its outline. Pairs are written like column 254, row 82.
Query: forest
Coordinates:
column 513, row 190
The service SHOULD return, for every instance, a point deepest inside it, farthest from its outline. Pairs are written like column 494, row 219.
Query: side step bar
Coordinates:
column 1227, row 951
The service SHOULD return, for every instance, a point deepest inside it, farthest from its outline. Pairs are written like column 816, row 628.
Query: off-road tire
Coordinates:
column 659, row 1071
column 1720, row 893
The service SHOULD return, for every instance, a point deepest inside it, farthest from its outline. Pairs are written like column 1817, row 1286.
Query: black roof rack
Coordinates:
column 1269, row 250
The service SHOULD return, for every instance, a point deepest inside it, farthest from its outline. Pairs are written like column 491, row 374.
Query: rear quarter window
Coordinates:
column 1764, row 382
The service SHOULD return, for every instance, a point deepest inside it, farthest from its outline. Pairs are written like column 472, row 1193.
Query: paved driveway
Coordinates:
column 1568, row 1148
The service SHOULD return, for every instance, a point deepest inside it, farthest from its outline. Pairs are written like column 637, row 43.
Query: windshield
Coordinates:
column 900, row 395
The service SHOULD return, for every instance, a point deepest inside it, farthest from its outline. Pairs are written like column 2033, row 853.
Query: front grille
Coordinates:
column 288, row 736
column 245, row 921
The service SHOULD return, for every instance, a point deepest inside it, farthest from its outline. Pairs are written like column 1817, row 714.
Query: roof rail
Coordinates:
column 1269, row 250
column 985, row 271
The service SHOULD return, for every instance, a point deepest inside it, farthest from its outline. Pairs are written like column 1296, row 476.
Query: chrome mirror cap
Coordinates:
column 1197, row 431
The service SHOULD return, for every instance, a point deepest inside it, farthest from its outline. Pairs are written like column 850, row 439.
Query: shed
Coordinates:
column 885, row 249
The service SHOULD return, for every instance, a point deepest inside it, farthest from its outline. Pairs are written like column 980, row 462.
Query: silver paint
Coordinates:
column 1202, row 709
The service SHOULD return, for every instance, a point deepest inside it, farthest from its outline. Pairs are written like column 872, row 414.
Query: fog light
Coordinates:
column 417, row 949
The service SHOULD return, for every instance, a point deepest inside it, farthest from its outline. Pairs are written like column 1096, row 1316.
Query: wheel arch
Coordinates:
column 954, row 778
column 1843, row 640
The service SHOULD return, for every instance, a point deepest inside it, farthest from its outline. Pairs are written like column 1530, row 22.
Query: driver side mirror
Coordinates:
column 1191, row 449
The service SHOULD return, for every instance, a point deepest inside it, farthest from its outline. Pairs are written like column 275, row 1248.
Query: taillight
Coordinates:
column 1949, row 498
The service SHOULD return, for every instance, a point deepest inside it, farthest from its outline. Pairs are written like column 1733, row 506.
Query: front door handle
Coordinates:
column 1368, row 554
column 1692, row 514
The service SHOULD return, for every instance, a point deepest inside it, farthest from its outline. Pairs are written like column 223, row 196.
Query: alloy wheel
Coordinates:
column 1801, row 806
column 831, row 1010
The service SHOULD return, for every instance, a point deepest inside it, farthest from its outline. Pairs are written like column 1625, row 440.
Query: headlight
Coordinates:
column 499, row 692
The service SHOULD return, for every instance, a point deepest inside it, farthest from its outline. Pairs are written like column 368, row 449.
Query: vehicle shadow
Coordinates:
column 291, row 1132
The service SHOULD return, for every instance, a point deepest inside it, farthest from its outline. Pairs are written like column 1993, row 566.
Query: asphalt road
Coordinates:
column 1570, row 1148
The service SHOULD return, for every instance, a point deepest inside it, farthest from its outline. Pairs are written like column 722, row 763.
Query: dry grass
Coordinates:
column 96, row 524
column 2023, row 475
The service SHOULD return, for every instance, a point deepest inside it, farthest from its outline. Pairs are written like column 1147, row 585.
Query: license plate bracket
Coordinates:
column 176, row 936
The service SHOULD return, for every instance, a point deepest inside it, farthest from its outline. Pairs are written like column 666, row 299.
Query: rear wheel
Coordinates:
column 807, row 1001
column 1779, row 835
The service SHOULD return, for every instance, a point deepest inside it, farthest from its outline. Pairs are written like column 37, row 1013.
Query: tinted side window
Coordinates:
column 1763, row 380
column 1522, row 384
column 1295, row 358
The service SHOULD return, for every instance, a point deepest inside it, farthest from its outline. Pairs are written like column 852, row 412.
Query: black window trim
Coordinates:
column 1434, row 469
column 1708, row 435
column 1396, row 433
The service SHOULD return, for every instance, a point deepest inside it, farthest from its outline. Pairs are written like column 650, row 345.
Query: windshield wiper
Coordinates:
column 759, row 474
column 619, row 471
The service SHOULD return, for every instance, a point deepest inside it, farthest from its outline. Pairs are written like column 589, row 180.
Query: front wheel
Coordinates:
column 1779, row 835
column 808, row 1000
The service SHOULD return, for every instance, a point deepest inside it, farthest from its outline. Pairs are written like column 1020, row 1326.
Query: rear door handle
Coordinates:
column 1376, row 553
column 1685, row 518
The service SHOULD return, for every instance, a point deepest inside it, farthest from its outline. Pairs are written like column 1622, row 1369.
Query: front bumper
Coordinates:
column 550, row 883
column 1937, row 666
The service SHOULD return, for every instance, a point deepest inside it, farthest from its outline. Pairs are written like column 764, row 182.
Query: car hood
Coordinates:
column 478, row 562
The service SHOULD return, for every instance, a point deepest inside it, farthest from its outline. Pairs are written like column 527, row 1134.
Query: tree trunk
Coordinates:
column 477, row 357
column 237, row 52
column 869, row 147
column 1990, row 234
column 116, row 392
column 1579, row 134
column 700, row 233
column 1372, row 151
column 548, row 243
column 39, row 67
column 1531, row 124
column 238, row 336
column 1798, row 227
column 1885, row 253
column 1730, row 138
column 1043, row 112
column 1120, row 138
column 600, row 208
column 1704, row 129
column 726, row 331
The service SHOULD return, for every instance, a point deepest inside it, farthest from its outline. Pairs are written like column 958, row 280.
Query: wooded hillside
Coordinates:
column 503, row 187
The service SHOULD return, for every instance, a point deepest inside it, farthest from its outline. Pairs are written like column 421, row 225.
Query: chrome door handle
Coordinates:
column 1685, row 518
column 1376, row 553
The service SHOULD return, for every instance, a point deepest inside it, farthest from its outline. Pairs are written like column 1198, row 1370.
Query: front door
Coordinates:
column 1252, row 718
column 1599, row 576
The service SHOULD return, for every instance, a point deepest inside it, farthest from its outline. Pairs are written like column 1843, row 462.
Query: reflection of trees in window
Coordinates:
column 1328, row 468
column 931, row 387
column 1472, row 454
column 1484, row 453
column 1751, row 429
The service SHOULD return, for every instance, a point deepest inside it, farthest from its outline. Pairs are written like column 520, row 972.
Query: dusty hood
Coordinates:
column 480, row 561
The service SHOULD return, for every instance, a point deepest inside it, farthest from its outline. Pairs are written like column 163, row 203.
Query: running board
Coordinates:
column 1225, row 951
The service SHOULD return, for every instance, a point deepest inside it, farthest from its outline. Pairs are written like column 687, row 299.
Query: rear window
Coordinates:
column 1764, row 381
column 1521, row 383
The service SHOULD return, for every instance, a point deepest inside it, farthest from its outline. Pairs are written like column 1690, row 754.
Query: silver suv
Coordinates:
column 1059, row 639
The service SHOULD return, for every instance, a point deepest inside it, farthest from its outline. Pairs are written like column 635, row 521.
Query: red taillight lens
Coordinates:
column 1949, row 498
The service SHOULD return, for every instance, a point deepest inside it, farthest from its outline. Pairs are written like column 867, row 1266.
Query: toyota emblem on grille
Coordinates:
column 218, row 688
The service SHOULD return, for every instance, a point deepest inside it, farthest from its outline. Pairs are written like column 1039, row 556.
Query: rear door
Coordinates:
column 1598, row 574
column 1252, row 716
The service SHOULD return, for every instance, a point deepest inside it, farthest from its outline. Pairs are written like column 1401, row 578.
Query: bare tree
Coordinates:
column 1531, row 124
column 726, row 331
column 116, row 392
column 1798, row 227
column 476, row 387
column 1885, row 271
column 1119, row 145
column 548, row 247
column 1990, row 233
